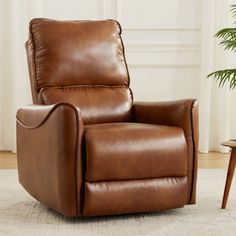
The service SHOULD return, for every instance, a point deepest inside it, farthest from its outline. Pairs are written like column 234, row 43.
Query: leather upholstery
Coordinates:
column 90, row 66
column 183, row 114
column 49, row 155
column 126, row 151
column 87, row 149
column 120, row 197
column 93, row 55
column 113, row 104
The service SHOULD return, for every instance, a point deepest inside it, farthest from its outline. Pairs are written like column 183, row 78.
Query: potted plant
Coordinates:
column 228, row 41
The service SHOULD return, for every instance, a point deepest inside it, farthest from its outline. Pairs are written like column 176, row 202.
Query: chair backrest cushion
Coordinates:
column 81, row 62
column 98, row 105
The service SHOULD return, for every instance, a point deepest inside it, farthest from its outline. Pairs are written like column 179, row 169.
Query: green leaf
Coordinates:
column 233, row 12
column 227, row 33
column 229, row 44
column 223, row 76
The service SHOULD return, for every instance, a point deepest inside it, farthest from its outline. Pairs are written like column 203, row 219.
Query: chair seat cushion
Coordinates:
column 125, row 151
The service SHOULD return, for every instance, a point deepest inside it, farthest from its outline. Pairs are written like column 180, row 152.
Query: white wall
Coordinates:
column 162, row 40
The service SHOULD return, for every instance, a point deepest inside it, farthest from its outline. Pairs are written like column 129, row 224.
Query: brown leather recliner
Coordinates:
column 85, row 148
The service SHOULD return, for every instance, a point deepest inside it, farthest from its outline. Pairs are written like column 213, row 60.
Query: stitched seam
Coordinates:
column 131, row 95
column 84, row 86
column 132, row 105
column 123, row 49
column 122, row 180
column 44, row 119
column 34, row 58
column 76, row 162
column 194, row 151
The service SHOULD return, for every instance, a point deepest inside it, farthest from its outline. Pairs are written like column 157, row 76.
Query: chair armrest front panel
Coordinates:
column 183, row 114
column 49, row 155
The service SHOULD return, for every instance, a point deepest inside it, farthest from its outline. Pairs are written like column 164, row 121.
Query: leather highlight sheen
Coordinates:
column 97, row 104
column 119, row 151
column 92, row 56
column 121, row 197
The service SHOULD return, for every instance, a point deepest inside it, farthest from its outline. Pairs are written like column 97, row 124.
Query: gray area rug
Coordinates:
column 20, row 214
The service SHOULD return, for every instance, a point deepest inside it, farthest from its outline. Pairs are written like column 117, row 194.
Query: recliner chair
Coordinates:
column 85, row 148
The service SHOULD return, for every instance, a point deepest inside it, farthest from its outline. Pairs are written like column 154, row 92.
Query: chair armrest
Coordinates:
column 181, row 113
column 171, row 113
column 49, row 155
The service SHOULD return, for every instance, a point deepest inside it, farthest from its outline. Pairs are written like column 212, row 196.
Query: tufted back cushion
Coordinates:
column 81, row 62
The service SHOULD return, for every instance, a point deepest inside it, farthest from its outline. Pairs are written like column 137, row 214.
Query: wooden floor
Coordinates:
column 213, row 160
column 209, row 160
column 7, row 160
